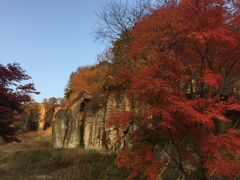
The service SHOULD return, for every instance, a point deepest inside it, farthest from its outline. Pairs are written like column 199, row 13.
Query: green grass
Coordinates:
column 3, row 157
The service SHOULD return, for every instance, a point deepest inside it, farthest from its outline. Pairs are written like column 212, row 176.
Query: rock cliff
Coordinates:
column 79, row 125
column 66, row 129
column 37, row 117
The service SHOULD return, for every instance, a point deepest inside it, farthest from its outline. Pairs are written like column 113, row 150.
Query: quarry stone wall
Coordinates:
column 77, row 126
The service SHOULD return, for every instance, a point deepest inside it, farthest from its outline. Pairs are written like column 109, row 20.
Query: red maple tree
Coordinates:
column 12, row 95
column 183, row 55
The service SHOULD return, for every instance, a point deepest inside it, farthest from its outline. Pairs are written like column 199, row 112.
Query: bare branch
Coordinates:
column 117, row 17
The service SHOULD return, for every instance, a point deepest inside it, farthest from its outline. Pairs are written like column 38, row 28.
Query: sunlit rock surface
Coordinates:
column 78, row 126
column 66, row 124
column 37, row 117
column 96, row 134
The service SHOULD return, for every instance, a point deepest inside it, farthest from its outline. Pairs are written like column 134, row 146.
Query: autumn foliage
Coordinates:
column 177, row 62
column 89, row 79
column 13, row 93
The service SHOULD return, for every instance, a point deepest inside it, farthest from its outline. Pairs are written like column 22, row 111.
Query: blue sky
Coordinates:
column 49, row 38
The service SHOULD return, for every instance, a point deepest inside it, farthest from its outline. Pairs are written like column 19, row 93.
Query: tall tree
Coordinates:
column 188, row 44
column 13, row 93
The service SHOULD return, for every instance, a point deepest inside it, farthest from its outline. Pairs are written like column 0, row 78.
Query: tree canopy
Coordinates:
column 13, row 93
column 177, row 62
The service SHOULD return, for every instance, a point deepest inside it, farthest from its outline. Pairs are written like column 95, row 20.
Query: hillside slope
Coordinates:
column 34, row 158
